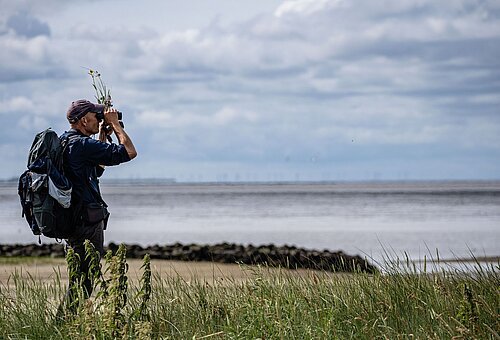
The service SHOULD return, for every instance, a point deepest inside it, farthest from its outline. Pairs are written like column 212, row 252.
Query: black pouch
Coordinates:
column 94, row 213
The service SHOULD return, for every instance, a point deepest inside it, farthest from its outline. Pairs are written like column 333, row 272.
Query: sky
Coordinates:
column 264, row 90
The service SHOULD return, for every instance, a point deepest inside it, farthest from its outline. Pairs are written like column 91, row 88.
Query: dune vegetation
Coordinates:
column 400, row 301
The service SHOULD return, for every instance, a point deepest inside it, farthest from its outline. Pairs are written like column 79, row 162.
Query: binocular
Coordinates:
column 100, row 116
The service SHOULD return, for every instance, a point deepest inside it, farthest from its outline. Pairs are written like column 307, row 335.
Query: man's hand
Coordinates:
column 104, row 131
column 111, row 116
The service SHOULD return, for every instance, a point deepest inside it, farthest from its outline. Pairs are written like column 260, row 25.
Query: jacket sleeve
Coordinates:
column 97, row 152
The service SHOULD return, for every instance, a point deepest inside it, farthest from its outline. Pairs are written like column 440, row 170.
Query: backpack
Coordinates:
column 44, row 190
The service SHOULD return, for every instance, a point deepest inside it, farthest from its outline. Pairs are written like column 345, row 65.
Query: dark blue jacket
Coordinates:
column 82, row 158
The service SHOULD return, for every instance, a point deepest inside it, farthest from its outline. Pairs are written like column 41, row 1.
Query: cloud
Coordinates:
column 229, row 115
column 306, row 7
column 28, row 58
column 26, row 25
column 102, row 34
column 16, row 104
column 334, row 81
column 224, row 116
column 319, row 37
column 35, row 123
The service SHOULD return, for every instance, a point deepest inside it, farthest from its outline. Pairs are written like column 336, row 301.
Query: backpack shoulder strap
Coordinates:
column 68, row 138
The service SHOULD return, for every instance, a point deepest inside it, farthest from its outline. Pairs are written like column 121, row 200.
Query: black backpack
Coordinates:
column 44, row 190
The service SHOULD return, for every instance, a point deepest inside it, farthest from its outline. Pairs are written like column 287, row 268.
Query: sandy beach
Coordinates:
column 48, row 269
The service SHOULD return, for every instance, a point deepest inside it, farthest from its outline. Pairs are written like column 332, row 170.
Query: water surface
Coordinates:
column 456, row 218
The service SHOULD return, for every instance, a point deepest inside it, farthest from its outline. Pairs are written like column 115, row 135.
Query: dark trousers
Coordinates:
column 95, row 234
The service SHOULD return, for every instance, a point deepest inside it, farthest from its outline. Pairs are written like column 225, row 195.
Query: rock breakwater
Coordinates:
column 272, row 255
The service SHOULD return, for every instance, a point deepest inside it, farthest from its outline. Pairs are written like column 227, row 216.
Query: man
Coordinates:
column 84, row 160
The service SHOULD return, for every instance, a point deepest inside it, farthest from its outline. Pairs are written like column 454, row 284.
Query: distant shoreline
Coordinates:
column 423, row 187
column 173, row 181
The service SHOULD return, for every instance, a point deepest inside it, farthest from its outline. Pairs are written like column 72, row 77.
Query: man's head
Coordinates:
column 81, row 115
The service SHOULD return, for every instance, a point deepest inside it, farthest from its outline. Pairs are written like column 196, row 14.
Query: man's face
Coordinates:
column 90, row 123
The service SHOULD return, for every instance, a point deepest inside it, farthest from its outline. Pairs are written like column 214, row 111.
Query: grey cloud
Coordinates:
column 319, row 80
column 26, row 25
column 29, row 70
column 275, row 65
column 29, row 59
column 233, row 51
column 104, row 34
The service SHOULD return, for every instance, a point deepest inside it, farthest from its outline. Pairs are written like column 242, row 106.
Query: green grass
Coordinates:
column 400, row 302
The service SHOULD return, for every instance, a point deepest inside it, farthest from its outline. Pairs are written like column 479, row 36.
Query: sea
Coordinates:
column 431, row 219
